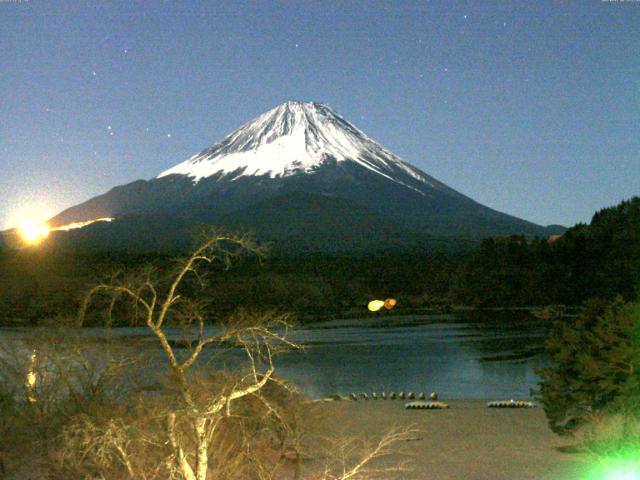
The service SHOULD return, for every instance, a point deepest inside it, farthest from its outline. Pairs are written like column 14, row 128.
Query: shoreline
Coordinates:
column 468, row 440
column 353, row 313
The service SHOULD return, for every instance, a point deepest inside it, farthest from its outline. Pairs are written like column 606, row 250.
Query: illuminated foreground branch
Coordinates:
column 257, row 338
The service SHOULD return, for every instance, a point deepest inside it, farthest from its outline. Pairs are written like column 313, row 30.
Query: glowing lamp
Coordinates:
column 389, row 303
column 375, row 305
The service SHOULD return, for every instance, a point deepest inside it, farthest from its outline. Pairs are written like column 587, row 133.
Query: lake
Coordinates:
column 471, row 356
column 487, row 355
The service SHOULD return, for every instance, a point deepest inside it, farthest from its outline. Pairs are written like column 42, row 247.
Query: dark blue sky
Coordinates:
column 532, row 108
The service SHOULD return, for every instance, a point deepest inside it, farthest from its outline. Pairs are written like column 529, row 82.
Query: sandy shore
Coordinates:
column 467, row 441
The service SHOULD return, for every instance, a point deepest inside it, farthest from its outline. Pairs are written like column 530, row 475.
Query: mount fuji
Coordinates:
column 299, row 175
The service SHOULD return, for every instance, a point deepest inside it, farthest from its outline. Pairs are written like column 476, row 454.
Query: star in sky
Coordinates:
column 555, row 52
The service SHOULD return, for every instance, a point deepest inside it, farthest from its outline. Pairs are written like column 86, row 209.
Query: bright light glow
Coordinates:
column 31, row 379
column 33, row 233
column 73, row 226
column 624, row 466
column 389, row 303
column 375, row 305
column 624, row 473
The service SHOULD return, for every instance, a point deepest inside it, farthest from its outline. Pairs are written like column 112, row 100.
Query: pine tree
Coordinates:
column 595, row 364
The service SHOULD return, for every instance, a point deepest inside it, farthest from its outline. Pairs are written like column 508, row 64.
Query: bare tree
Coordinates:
column 207, row 409
column 361, row 460
column 48, row 380
column 260, row 337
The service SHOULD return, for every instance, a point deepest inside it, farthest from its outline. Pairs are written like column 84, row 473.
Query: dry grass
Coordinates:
column 468, row 441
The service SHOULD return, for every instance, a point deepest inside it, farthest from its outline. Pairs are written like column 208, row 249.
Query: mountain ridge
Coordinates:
column 294, row 137
column 303, row 147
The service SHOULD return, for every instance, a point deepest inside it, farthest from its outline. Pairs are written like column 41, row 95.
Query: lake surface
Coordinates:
column 488, row 355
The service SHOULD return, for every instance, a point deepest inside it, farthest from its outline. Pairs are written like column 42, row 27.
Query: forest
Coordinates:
column 601, row 259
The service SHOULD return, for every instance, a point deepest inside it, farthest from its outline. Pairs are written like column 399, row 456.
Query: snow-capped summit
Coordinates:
column 300, row 176
column 294, row 137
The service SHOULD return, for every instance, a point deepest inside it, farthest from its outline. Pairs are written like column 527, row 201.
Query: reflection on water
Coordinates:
column 490, row 355
column 480, row 356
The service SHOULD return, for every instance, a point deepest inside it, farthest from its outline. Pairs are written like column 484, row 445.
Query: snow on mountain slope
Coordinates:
column 296, row 137
column 297, row 165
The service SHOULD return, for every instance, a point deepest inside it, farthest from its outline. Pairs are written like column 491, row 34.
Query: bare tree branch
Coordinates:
column 257, row 336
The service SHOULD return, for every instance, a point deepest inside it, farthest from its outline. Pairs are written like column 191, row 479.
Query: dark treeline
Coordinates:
column 322, row 286
column 601, row 259
column 37, row 286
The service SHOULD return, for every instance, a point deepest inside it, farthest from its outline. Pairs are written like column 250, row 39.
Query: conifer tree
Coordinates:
column 595, row 364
